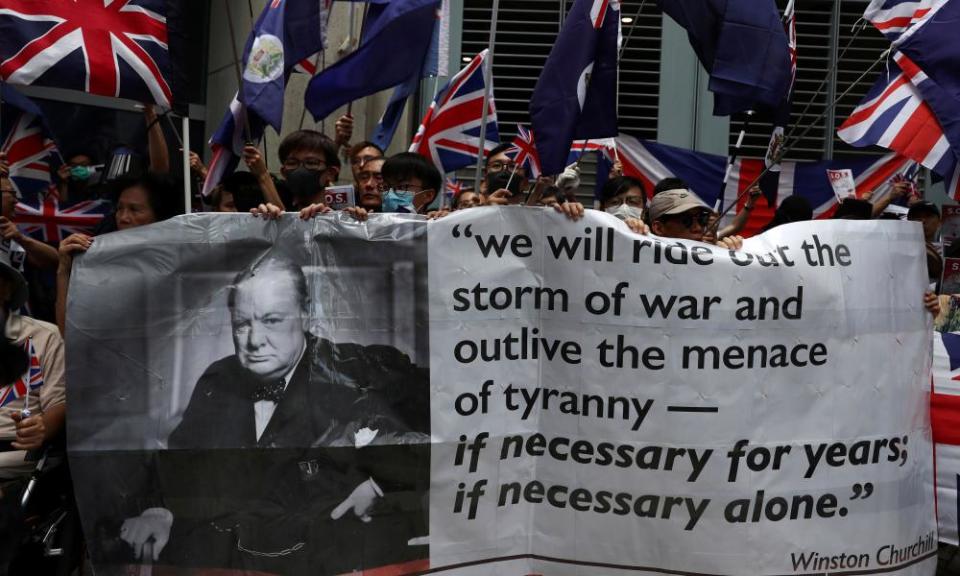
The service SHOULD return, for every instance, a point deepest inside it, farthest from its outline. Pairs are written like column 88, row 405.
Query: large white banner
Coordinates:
column 607, row 403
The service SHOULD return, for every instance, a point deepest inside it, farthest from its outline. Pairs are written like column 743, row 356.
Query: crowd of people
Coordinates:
column 309, row 162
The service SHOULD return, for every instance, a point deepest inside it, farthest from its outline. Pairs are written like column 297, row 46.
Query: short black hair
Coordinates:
column 245, row 189
column 854, row 209
column 922, row 207
column 163, row 193
column 309, row 140
column 670, row 184
column 71, row 154
column 497, row 150
column 619, row 185
column 410, row 164
column 356, row 148
column 270, row 264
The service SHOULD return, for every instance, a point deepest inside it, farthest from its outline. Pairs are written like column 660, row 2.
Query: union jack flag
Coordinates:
column 453, row 188
column 524, row 152
column 894, row 17
column 31, row 379
column 894, row 115
column 109, row 47
column 51, row 222
column 606, row 147
column 29, row 148
column 449, row 134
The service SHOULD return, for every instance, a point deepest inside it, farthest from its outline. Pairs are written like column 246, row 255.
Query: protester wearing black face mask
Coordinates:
column 309, row 164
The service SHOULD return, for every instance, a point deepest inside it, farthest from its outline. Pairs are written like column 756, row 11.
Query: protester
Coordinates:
column 550, row 197
column 897, row 191
column 854, row 209
column 504, row 181
column 141, row 201
column 679, row 213
column 469, row 198
column 361, row 153
column 738, row 222
column 793, row 208
column 22, row 339
column 22, row 247
column 238, row 192
column 669, row 184
column 928, row 215
column 77, row 176
column 309, row 164
column 369, row 185
column 625, row 198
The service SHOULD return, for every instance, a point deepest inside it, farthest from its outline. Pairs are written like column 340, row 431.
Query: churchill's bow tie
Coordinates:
column 272, row 391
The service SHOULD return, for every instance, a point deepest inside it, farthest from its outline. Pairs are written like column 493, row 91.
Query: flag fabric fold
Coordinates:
column 895, row 115
column 743, row 46
column 118, row 48
column 396, row 38
column 576, row 94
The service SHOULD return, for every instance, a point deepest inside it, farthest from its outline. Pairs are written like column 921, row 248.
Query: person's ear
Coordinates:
column 424, row 198
column 657, row 228
column 334, row 172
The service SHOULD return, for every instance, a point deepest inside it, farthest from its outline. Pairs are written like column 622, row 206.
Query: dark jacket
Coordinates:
column 265, row 506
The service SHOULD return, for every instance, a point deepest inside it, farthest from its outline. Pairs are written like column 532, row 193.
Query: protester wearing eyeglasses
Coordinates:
column 504, row 180
column 625, row 198
column 309, row 163
column 24, row 248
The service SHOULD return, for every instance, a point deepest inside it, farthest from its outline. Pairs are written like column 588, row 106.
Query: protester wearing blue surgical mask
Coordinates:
column 410, row 184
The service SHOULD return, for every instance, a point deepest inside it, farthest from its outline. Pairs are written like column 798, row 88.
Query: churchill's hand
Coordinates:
column 361, row 500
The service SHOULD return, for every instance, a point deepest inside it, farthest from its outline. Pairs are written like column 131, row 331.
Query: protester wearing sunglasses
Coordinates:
column 681, row 214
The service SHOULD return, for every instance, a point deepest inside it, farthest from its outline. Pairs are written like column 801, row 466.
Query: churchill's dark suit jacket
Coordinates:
column 265, row 505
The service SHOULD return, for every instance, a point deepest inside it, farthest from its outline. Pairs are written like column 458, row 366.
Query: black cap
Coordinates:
column 923, row 207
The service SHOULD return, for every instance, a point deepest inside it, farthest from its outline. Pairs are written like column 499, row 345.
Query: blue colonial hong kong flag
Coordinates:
column 382, row 134
column 117, row 48
column 286, row 33
column 576, row 94
column 449, row 135
column 31, row 379
column 28, row 144
column 743, row 46
column 396, row 38
column 895, row 115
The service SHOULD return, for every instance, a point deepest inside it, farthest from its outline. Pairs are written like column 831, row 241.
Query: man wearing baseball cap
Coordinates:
column 678, row 213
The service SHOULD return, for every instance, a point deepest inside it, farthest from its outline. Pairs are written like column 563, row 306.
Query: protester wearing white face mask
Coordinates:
column 625, row 198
